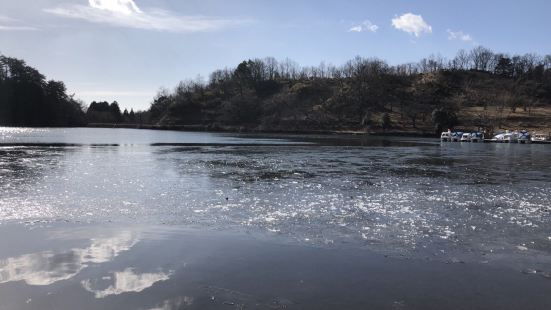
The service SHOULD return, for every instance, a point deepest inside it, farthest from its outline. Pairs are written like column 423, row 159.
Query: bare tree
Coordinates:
column 258, row 70
column 481, row 58
column 348, row 68
column 462, row 60
column 271, row 65
column 531, row 61
column 547, row 62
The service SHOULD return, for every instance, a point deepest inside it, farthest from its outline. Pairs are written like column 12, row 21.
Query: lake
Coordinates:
column 141, row 219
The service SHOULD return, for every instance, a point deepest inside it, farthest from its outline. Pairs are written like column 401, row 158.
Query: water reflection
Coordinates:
column 174, row 304
column 124, row 282
column 48, row 267
column 239, row 271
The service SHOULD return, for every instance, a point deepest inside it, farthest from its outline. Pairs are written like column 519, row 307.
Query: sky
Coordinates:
column 126, row 50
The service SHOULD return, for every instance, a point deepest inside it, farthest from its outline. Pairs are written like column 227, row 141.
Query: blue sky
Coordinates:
column 126, row 49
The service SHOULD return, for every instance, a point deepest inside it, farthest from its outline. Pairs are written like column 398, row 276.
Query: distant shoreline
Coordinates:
column 244, row 129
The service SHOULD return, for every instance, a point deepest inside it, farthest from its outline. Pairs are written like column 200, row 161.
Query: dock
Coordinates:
column 532, row 142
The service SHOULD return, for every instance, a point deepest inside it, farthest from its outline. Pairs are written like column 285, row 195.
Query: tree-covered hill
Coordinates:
column 479, row 88
column 475, row 89
column 28, row 99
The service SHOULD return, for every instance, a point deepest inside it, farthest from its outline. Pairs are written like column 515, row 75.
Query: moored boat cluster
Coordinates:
column 522, row 137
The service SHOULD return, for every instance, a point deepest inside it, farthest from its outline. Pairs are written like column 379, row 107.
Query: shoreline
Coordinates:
column 243, row 129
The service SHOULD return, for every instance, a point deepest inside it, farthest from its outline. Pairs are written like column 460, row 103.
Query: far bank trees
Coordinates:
column 280, row 95
column 27, row 98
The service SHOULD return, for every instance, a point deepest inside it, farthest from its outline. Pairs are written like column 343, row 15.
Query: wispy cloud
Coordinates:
column 365, row 26
column 12, row 24
column 459, row 35
column 17, row 28
column 125, row 13
column 126, row 7
column 412, row 24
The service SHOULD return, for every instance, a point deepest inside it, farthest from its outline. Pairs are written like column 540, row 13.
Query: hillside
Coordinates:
column 475, row 89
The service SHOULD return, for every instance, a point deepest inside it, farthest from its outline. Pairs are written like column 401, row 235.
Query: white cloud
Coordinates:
column 125, row 13
column 411, row 23
column 459, row 35
column 17, row 28
column 355, row 29
column 365, row 26
column 12, row 24
column 126, row 7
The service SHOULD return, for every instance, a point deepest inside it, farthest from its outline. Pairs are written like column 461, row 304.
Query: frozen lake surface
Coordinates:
column 409, row 198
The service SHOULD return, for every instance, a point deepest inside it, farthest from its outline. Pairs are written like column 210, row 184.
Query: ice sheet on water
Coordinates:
column 400, row 198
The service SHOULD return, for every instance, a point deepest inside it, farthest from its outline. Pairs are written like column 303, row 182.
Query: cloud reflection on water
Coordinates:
column 176, row 303
column 48, row 267
column 126, row 281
